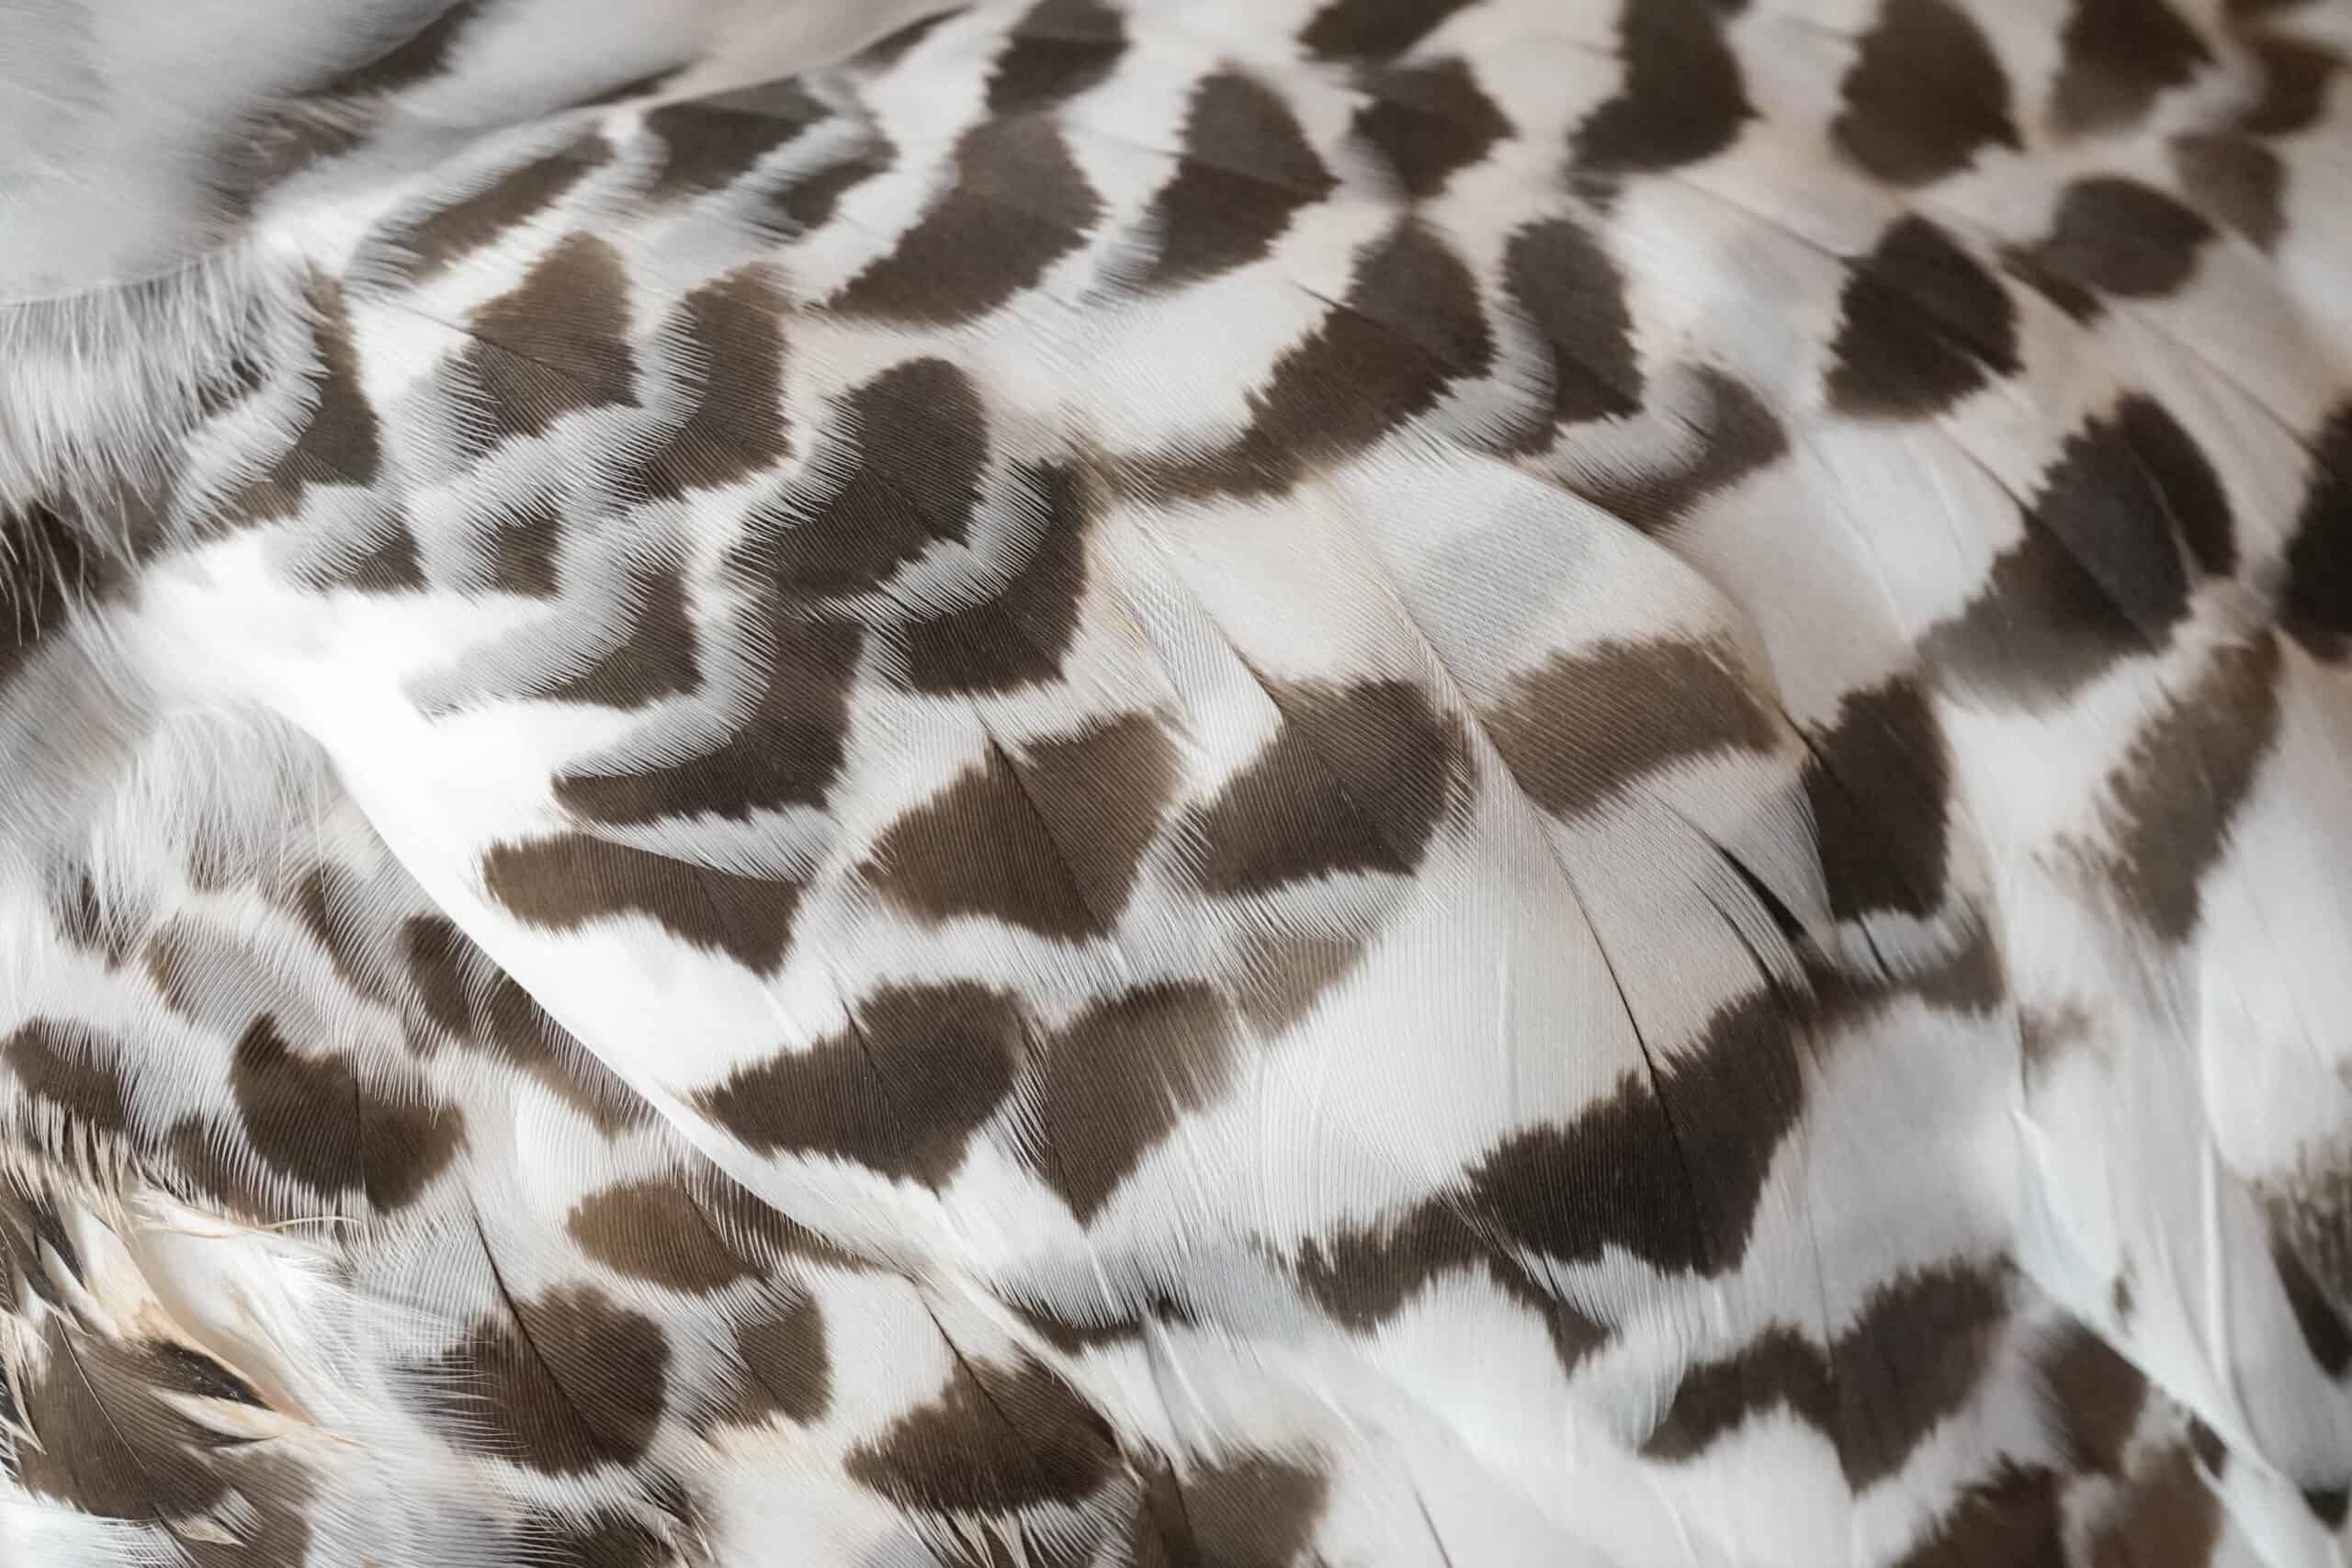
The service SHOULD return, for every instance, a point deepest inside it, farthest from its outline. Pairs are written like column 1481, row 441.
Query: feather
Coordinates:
column 1089, row 783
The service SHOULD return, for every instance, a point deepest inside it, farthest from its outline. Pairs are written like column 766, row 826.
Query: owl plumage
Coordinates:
column 1177, row 783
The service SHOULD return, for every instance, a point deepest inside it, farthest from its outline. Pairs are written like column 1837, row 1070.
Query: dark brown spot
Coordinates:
column 85, row 921
column 710, row 142
column 1237, row 1510
column 1914, row 1356
column 1057, row 52
column 47, row 564
column 1410, row 325
column 1110, row 782
column 2236, row 180
column 570, row 879
column 2312, row 1214
column 2174, row 796
column 2118, row 54
column 1734, row 434
column 1356, row 779
column 1050, row 841
column 2167, row 1518
column 1115, row 1080
column 2113, row 236
column 2100, row 575
column 213, row 1165
column 733, row 345
column 2296, row 75
column 2182, row 477
column 996, row 1439
column 894, row 46
column 458, row 230
column 2066, row 293
column 2208, row 1448
column 900, row 1089
column 233, row 384
column 334, row 908
column 911, row 445
column 179, row 1368
column 2325, row 1334
column 340, row 443
column 785, row 753
column 2093, row 1397
column 1019, row 634
column 1374, row 29
column 1588, row 727
column 1071, row 1337
column 479, row 1006
column 422, row 55
column 438, row 954
column 600, row 1540
column 653, row 657
column 1247, row 171
column 1879, row 781
column 2316, row 604
column 105, row 1441
column 1363, row 1278
column 654, row 1231
column 1921, row 325
column 379, row 557
column 2014, row 1517
column 71, row 1068
column 556, row 344
column 1681, row 100
column 1285, row 969
column 1972, row 979
column 315, row 1120
column 562, row 1384
column 808, row 203
column 1673, row 1176
column 1924, row 97
column 29, row 1222
column 2328, row 1505
column 1014, row 204
column 2046, row 1035
column 1572, row 292
column 1113, row 1321
column 525, row 548
column 787, row 1370
column 1429, row 121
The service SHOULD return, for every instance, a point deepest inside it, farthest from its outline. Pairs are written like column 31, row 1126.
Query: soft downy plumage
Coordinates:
column 1342, row 782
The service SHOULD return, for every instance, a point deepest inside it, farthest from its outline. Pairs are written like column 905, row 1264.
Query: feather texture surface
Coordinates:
column 1130, row 783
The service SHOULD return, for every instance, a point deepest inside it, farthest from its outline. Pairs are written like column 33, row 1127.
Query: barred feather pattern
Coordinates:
column 1171, row 782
